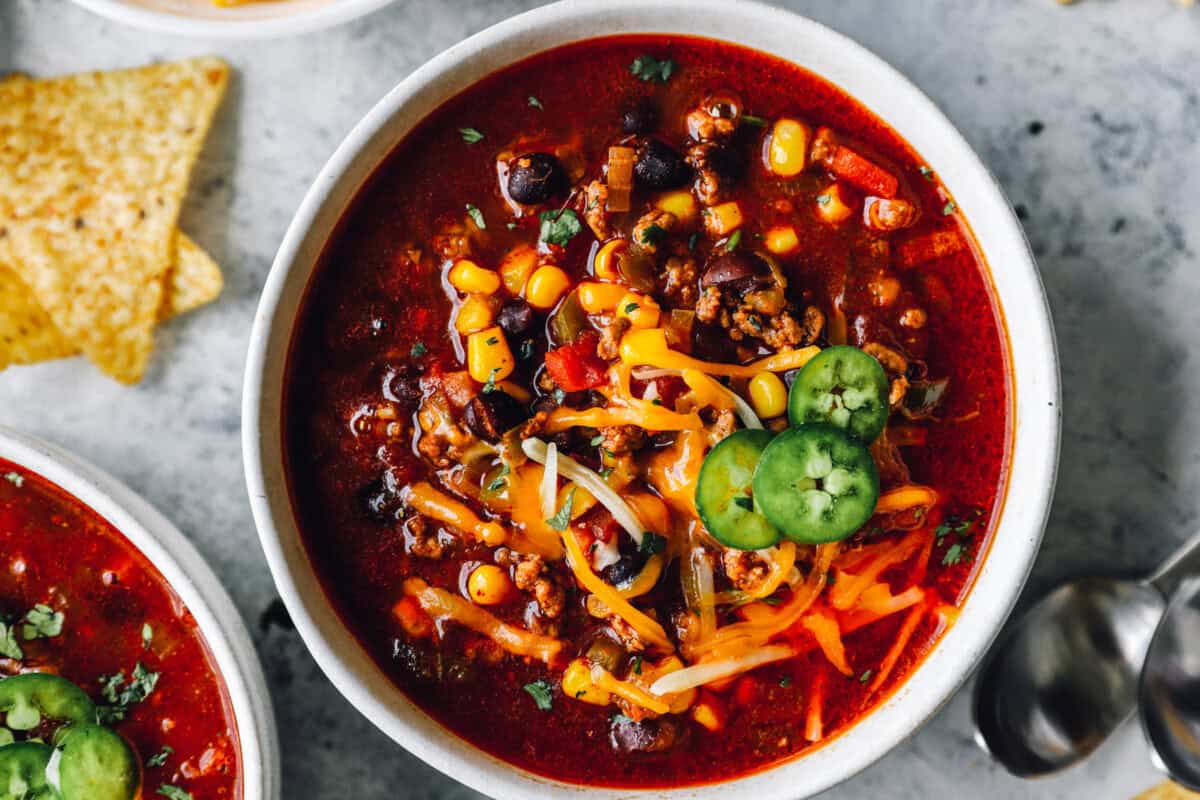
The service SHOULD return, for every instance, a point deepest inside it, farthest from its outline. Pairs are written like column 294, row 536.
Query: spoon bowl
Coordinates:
column 1066, row 675
column 1170, row 688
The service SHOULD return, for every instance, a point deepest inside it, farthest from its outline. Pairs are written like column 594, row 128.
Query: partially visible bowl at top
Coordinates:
column 253, row 19
column 1030, row 457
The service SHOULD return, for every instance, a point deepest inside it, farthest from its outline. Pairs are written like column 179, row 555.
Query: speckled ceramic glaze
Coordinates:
column 1018, row 288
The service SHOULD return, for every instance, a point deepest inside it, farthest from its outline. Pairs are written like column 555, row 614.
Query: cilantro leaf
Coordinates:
column 42, row 622
column 652, row 543
column 9, row 647
column 498, row 482
column 757, row 122
column 733, row 241
column 648, row 68
column 559, row 227
column 120, row 695
column 470, row 135
column 635, row 665
column 562, row 519
column 824, row 199
column 173, row 792
column 954, row 555
column 159, row 758
column 541, row 693
column 866, row 676
column 535, row 103
column 653, row 235
column 476, row 216
column 418, row 349
column 949, row 208
column 15, row 478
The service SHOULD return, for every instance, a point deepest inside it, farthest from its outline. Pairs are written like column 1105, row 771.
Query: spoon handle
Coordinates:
column 1182, row 563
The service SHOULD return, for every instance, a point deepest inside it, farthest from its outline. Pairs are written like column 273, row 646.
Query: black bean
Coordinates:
column 515, row 317
column 659, row 167
column 535, row 178
column 646, row 736
column 737, row 271
column 381, row 498
column 624, row 571
column 490, row 414
column 402, row 385
column 640, row 116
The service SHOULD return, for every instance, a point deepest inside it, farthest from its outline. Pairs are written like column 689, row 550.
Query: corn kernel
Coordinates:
column 488, row 585
column 516, row 267
column 488, row 356
column 724, row 219
column 782, row 240
column 768, row 395
column 831, row 205
column 600, row 298
column 470, row 278
column 681, row 203
column 474, row 314
column 546, row 287
column 787, row 152
column 604, row 265
column 577, row 684
column 639, row 309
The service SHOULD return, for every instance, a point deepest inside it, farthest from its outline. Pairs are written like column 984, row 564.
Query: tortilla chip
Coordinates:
column 93, row 170
column 1168, row 791
column 28, row 335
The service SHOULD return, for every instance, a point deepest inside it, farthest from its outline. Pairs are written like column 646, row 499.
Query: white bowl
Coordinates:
column 261, row 20
column 1034, row 382
column 192, row 579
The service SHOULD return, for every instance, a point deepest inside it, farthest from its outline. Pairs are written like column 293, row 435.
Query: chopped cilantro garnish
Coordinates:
column 597, row 440
column 785, row 681
column 512, row 226
column 949, row 208
column 733, row 241
column 418, row 349
column 695, row 237
column 42, row 622
column 560, row 396
column 631, row 307
column 9, row 646
column 173, row 792
column 757, row 122
column 498, row 482
column 559, row 227
column 470, row 135
column 652, row 544
column 15, row 478
column 824, row 199
column 562, row 519
column 635, row 665
column 619, row 718
column 121, row 695
column 525, row 350
column 492, row 341
column 649, row 68
column 866, row 676
column 772, row 601
column 954, row 555
column 159, row 758
column 926, row 172
column 653, row 235
column 476, row 216
column 490, row 386
column 541, row 693
column 535, row 103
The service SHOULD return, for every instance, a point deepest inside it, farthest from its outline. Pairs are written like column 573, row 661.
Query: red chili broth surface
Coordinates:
column 359, row 311
column 58, row 552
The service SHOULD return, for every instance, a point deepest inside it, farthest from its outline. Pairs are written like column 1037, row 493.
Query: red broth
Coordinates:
column 58, row 552
column 368, row 307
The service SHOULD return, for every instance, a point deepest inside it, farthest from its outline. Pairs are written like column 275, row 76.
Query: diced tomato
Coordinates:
column 576, row 367
column 412, row 618
column 745, row 691
column 864, row 174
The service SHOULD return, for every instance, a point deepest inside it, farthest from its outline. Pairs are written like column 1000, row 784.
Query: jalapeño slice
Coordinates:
column 723, row 492
column 98, row 764
column 816, row 484
column 25, row 700
column 844, row 387
column 23, row 771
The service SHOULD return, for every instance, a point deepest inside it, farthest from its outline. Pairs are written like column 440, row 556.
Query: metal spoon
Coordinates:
column 1066, row 675
column 1169, row 695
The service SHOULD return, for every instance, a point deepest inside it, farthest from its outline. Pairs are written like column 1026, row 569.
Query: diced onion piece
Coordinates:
column 603, row 679
column 650, row 373
column 550, row 482
column 572, row 470
column 696, row 379
column 442, row 605
column 711, row 671
column 705, row 587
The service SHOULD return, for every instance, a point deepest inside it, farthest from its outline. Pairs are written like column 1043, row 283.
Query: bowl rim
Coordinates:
column 190, row 576
column 272, row 27
column 1032, row 353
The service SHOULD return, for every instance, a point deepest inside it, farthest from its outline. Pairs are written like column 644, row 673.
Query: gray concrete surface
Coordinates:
column 1088, row 114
